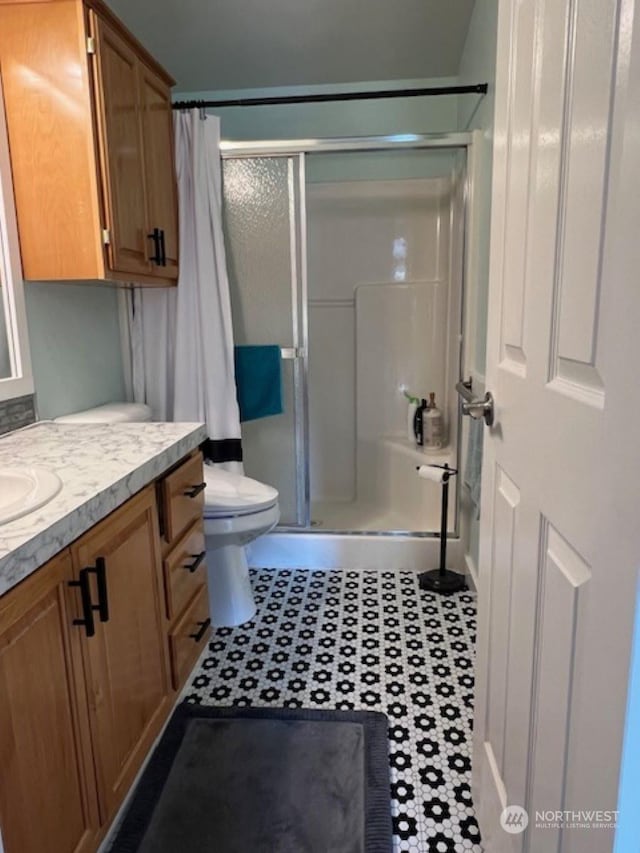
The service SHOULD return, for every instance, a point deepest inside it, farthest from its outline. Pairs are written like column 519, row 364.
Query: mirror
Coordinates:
column 15, row 360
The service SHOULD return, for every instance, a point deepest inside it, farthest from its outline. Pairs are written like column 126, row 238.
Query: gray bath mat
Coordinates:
column 265, row 780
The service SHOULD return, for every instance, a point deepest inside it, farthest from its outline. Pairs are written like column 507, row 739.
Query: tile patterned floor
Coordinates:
column 370, row 640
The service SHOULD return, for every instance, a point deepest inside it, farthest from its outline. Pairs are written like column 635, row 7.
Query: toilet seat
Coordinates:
column 229, row 495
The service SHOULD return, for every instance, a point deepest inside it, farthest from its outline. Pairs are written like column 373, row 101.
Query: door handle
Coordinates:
column 202, row 630
column 197, row 560
column 155, row 235
column 476, row 408
column 100, row 571
column 480, row 409
column 85, row 598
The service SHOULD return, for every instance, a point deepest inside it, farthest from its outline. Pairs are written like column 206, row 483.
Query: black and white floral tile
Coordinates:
column 366, row 640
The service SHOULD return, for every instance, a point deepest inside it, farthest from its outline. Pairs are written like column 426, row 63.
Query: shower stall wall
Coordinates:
column 384, row 319
column 349, row 254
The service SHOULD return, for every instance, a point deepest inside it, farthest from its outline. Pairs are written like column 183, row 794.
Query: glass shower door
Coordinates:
column 264, row 242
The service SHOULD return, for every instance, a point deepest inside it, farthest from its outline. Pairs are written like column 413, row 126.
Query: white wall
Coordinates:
column 379, row 317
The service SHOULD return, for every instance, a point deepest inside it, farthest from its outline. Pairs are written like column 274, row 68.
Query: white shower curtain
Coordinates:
column 182, row 339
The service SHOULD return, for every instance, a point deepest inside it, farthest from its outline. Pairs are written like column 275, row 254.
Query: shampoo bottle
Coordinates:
column 433, row 426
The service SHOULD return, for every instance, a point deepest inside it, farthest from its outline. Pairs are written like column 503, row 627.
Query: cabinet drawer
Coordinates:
column 183, row 497
column 188, row 638
column 185, row 569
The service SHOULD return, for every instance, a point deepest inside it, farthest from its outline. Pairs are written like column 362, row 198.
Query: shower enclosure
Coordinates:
column 349, row 254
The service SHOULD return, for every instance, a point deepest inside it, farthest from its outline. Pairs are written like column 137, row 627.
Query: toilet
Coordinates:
column 237, row 510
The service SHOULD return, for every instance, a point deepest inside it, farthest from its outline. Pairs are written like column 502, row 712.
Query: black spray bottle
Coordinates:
column 418, row 422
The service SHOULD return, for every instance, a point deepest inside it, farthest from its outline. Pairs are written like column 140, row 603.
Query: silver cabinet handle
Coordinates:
column 476, row 408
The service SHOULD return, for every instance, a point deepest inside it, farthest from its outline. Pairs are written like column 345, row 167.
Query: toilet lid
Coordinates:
column 228, row 493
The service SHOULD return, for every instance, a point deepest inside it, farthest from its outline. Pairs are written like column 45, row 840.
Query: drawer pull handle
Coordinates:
column 194, row 491
column 87, row 607
column 100, row 571
column 202, row 630
column 197, row 560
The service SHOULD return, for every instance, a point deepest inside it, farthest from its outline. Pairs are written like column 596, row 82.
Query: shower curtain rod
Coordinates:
column 475, row 89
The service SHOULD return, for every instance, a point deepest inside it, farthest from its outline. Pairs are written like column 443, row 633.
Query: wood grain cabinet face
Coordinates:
column 188, row 636
column 122, row 160
column 185, row 569
column 126, row 662
column 182, row 494
column 47, row 784
column 91, row 136
column 162, row 199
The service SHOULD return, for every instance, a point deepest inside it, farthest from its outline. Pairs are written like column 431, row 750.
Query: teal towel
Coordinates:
column 258, row 381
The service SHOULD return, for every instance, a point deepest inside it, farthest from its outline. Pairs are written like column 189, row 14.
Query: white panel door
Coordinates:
column 560, row 538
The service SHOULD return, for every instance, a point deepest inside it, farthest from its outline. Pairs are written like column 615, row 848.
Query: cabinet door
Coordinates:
column 126, row 661
column 121, row 151
column 47, row 784
column 157, row 126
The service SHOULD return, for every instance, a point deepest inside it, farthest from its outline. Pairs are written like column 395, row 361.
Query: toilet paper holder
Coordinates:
column 442, row 579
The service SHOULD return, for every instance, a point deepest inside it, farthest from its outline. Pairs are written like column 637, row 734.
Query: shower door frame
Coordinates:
column 298, row 149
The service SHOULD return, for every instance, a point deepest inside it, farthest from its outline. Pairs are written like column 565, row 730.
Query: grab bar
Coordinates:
column 475, row 408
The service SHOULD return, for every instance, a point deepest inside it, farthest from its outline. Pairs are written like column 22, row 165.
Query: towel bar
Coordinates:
column 289, row 353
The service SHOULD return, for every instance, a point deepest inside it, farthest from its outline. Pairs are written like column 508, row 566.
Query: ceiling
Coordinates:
column 238, row 44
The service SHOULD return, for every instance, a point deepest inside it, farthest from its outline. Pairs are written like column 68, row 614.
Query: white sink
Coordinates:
column 23, row 489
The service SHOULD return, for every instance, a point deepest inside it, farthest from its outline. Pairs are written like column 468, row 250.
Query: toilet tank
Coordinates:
column 110, row 413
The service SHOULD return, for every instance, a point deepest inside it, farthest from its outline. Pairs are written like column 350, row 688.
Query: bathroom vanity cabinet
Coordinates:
column 91, row 136
column 48, row 799
column 93, row 646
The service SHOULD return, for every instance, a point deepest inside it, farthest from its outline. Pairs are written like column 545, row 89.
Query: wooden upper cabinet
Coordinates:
column 47, row 783
column 162, row 200
column 91, row 140
column 122, row 159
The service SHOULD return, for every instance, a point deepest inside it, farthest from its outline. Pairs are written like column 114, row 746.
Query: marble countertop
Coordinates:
column 100, row 465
